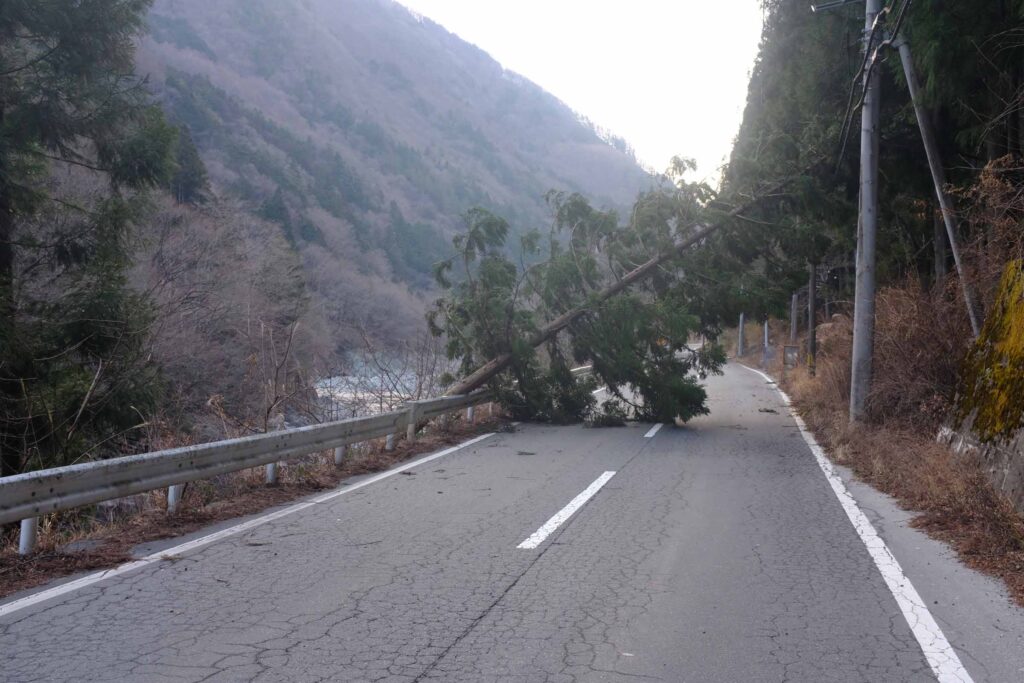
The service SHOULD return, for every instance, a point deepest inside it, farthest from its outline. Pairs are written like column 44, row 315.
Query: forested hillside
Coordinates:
column 802, row 122
column 805, row 87
column 365, row 132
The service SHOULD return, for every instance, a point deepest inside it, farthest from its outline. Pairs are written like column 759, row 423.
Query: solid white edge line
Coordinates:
column 653, row 430
column 88, row 580
column 941, row 656
column 565, row 513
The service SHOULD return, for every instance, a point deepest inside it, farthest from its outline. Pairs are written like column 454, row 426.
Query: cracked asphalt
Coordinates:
column 717, row 552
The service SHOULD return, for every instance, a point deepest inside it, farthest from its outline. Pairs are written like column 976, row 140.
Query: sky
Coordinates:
column 669, row 76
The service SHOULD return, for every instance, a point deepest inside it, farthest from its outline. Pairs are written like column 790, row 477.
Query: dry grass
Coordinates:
column 955, row 500
column 778, row 335
column 142, row 518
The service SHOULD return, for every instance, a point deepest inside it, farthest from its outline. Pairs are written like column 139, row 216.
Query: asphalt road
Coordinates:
column 715, row 552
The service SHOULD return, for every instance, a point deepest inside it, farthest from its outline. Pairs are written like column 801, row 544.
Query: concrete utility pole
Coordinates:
column 864, row 297
column 812, row 322
column 794, row 311
column 931, row 149
column 739, row 341
column 766, row 352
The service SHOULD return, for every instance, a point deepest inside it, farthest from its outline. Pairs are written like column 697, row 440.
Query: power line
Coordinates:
column 858, row 78
column 867, row 68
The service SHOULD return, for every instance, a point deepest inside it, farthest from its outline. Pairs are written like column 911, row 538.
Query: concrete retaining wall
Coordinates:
column 1003, row 462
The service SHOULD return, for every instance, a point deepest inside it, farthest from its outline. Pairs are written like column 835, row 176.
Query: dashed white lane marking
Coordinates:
column 653, row 430
column 598, row 391
column 96, row 577
column 565, row 513
column 941, row 656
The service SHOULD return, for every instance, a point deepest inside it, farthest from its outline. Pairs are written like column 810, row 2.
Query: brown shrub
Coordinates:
column 994, row 216
column 921, row 338
column 832, row 383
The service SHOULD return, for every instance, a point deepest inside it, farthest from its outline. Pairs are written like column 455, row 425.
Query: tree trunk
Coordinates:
column 1018, row 100
column 10, row 457
column 1012, row 130
column 938, row 248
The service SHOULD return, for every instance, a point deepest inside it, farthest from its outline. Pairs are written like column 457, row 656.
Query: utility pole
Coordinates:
column 812, row 319
column 939, row 248
column 931, row 149
column 864, row 296
column 739, row 342
column 794, row 311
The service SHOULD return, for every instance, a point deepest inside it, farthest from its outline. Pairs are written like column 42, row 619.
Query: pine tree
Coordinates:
column 189, row 184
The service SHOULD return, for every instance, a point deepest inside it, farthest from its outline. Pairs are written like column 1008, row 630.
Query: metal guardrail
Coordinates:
column 28, row 496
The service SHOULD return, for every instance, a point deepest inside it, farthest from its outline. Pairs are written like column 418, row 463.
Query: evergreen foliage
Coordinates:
column 637, row 343
column 968, row 55
column 189, row 184
column 79, row 142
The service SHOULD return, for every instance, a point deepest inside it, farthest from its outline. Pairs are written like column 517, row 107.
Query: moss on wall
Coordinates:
column 992, row 382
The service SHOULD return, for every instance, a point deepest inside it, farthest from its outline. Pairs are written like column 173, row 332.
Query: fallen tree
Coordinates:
column 698, row 232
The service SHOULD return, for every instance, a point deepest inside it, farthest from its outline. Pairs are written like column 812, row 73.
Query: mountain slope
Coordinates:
column 365, row 131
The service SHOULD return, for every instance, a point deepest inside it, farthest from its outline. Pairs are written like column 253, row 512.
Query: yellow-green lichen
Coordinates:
column 992, row 381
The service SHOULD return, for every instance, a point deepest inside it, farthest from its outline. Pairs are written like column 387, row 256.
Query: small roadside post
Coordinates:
column 174, row 494
column 277, row 424
column 414, row 418
column 29, row 533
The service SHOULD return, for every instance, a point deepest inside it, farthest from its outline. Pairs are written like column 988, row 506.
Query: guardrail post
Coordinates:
column 174, row 493
column 277, row 424
column 389, row 443
column 56, row 489
column 414, row 417
column 27, row 539
column 470, row 414
column 339, row 455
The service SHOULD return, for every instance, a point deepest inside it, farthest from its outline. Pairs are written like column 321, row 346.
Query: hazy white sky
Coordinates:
column 670, row 76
